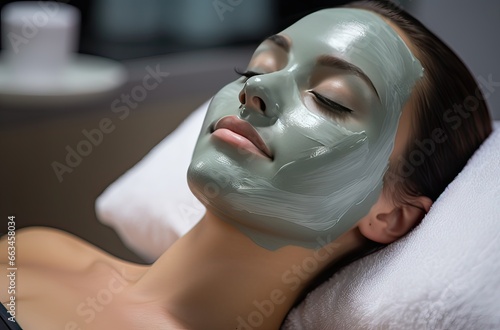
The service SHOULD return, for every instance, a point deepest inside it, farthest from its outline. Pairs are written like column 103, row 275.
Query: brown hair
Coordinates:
column 450, row 118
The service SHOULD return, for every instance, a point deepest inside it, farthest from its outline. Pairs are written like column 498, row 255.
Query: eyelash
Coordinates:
column 247, row 74
column 338, row 110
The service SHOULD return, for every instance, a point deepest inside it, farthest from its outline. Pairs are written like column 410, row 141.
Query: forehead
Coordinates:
column 363, row 39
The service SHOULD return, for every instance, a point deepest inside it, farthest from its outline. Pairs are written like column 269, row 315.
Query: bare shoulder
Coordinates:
column 51, row 247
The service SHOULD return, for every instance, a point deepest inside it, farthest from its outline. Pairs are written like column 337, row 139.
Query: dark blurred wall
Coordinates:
column 125, row 29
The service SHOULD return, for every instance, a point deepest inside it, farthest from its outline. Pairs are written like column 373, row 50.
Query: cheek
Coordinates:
column 310, row 127
column 226, row 101
column 288, row 137
column 319, row 159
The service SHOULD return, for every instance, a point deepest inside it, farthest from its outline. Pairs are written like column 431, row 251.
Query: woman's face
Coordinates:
column 296, row 149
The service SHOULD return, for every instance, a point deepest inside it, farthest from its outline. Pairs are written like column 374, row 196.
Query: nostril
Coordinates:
column 242, row 98
column 258, row 102
column 262, row 105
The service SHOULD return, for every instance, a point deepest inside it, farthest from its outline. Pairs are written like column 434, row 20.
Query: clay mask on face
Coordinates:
column 326, row 104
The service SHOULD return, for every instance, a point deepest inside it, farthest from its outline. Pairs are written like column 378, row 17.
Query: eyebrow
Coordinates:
column 339, row 63
column 280, row 41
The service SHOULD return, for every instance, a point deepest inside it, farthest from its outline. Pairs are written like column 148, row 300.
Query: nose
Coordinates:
column 251, row 101
column 264, row 97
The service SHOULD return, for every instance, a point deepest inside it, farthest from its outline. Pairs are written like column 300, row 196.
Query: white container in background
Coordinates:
column 39, row 39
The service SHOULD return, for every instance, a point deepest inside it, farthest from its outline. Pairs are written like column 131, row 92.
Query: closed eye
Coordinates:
column 247, row 74
column 334, row 107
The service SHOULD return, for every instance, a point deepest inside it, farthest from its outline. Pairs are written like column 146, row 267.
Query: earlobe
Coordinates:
column 386, row 222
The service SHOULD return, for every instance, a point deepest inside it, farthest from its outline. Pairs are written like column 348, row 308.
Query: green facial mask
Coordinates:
column 327, row 163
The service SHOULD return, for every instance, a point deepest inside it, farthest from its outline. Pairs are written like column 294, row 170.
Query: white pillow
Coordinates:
column 151, row 205
column 443, row 275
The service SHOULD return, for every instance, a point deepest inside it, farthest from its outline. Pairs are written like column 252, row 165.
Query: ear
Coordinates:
column 385, row 222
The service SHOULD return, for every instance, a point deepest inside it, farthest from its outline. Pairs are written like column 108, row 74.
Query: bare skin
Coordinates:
column 58, row 271
column 186, row 288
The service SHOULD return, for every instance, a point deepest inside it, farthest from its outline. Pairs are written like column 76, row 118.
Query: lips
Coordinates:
column 245, row 130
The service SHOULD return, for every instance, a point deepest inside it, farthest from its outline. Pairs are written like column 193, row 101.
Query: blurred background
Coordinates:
column 198, row 43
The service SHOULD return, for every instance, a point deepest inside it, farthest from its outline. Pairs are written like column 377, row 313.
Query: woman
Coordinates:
column 336, row 140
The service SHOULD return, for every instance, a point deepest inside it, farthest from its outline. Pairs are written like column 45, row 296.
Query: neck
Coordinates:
column 215, row 277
